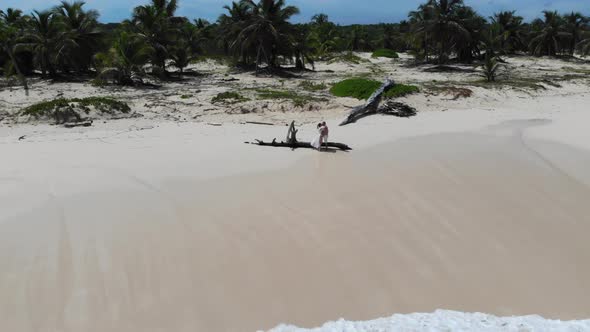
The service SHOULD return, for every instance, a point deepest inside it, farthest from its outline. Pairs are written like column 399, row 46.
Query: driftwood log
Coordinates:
column 372, row 106
column 292, row 142
column 78, row 124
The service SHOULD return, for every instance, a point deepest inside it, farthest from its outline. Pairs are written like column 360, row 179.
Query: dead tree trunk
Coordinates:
column 291, row 142
column 301, row 145
column 371, row 106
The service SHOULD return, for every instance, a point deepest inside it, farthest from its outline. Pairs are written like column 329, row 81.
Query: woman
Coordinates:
column 317, row 142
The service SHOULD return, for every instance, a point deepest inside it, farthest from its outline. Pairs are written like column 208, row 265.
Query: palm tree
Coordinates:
column 390, row 38
column 324, row 36
column 439, row 21
column 82, row 27
column 266, row 29
column 419, row 31
column 509, row 29
column 324, row 43
column 574, row 25
column 469, row 48
column 303, row 46
column 181, row 55
column 126, row 59
column 490, row 68
column 549, row 34
column 320, row 19
column 12, row 17
column 231, row 25
column 358, row 39
column 201, row 36
column 8, row 36
column 46, row 40
column 156, row 23
column 493, row 41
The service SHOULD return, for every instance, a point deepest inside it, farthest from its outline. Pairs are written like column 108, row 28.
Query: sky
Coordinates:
column 340, row 11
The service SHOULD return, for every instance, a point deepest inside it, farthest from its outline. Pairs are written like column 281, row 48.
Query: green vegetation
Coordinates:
column 68, row 41
column 490, row 69
column 101, row 104
column 358, row 88
column 186, row 96
column 66, row 110
column 385, row 53
column 361, row 88
column 310, row 86
column 400, row 90
column 229, row 97
column 297, row 99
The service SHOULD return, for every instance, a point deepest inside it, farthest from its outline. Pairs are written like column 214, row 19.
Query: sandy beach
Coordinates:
column 145, row 225
column 294, row 166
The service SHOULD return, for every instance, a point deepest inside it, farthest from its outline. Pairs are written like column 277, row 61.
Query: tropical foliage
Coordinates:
column 490, row 68
column 68, row 40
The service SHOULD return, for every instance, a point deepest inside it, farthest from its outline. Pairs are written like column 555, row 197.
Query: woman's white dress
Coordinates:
column 317, row 142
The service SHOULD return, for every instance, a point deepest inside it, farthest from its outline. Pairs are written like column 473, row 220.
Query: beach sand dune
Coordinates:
column 488, row 221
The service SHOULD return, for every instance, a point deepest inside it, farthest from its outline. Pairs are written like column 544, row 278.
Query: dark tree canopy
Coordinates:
column 69, row 40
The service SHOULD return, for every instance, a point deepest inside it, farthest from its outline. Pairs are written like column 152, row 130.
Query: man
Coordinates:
column 325, row 131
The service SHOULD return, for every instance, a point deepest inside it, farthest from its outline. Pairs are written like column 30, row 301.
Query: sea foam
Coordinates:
column 444, row 320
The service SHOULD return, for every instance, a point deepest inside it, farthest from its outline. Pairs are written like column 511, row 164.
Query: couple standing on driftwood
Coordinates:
column 322, row 137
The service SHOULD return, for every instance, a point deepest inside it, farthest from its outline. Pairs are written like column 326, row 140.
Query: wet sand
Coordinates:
column 488, row 221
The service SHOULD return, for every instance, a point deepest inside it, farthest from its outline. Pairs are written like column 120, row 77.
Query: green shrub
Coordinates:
column 186, row 96
column 400, row 90
column 102, row 104
column 296, row 99
column 229, row 98
column 358, row 88
column 385, row 53
column 361, row 88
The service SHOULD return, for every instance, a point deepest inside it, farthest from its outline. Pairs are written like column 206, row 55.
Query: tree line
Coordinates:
column 69, row 40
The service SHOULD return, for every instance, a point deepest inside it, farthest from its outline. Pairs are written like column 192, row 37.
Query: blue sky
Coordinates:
column 340, row 11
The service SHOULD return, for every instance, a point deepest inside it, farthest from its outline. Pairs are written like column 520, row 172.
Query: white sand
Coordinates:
column 153, row 225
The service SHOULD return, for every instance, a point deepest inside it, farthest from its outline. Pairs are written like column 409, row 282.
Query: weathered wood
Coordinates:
column 396, row 109
column 78, row 124
column 371, row 106
column 291, row 142
column 292, row 133
column 301, row 145
column 259, row 123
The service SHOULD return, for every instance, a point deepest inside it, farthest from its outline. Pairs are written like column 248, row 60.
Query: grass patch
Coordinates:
column 186, row 96
column 229, row 98
column 102, row 104
column 310, row 86
column 385, row 53
column 297, row 99
column 400, row 90
column 361, row 88
column 358, row 88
